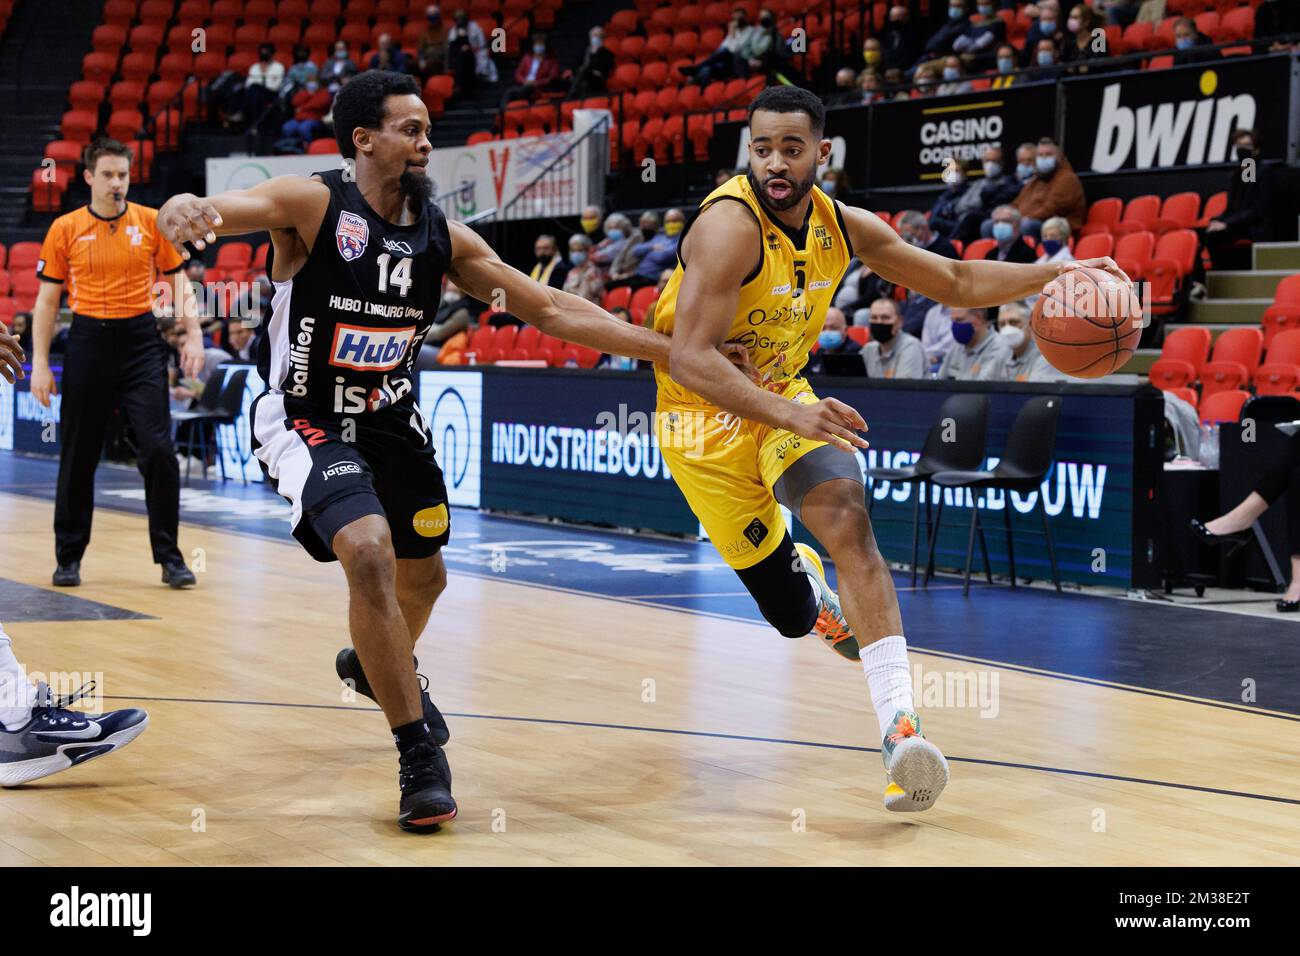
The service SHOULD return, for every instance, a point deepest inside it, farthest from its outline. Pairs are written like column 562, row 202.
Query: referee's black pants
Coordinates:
column 115, row 363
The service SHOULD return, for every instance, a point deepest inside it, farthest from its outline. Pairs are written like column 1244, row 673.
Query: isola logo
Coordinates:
column 431, row 522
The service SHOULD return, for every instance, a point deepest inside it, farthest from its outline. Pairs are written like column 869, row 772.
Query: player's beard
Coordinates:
column 797, row 190
column 417, row 187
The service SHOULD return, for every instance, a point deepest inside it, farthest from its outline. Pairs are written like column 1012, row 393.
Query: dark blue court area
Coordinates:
column 1148, row 647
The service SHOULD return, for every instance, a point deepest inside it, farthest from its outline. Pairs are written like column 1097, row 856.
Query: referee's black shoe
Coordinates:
column 177, row 575
column 425, row 778
column 68, row 575
column 348, row 666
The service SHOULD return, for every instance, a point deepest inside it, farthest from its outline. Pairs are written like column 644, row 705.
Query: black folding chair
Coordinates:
column 223, row 407
column 955, row 443
column 1024, row 464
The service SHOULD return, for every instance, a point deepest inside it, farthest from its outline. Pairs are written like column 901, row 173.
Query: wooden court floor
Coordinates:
column 589, row 731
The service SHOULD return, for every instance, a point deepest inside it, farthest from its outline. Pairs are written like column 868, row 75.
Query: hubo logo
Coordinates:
column 397, row 246
column 452, row 403
column 75, row 909
column 1185, row 133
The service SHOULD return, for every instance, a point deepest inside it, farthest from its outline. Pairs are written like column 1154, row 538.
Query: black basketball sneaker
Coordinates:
column 348, row 666
column 425, row 778
column 55, row 738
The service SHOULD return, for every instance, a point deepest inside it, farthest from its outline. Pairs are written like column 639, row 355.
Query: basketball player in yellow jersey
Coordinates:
column 759, row 263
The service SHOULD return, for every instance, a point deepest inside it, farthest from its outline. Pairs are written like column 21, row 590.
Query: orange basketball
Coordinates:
column 1087, row 323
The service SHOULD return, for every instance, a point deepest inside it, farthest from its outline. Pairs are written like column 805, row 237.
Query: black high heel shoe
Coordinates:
column 1287, row 607
column 1207, row 536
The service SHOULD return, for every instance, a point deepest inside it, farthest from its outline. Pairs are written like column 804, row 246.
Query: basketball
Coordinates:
column 1087, row 323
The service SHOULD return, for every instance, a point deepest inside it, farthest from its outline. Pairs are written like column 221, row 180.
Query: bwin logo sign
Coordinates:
column 1152, row 137
column 452, row 403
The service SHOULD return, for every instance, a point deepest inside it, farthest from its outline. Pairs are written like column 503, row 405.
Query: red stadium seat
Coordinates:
column 1237, row 24
column 126, row 95
column 1186, row 394
column 65, row 153
column 47, row 188
column 86, row 95
column 1177, row 212
column 1214, row 207
column 107, row 38
column 1133, row 251
column 979, row 248
column 78, row 126
column 99, row 67
column 325, row 146
column 1095, row 246
column 1103, row 215
column 1280, row 373
column 138, row 67
column 176, row 66
column 234, row 255
column 1222, row 406
column 624, row 77
column 23, row 257
column 642, row 302
column 146, row 38
column 1139, row 215
column 1184, row 353
column 1235, row 359
column 482, row 136
column 527, row 339
column 1170, row 267
column 119, row 13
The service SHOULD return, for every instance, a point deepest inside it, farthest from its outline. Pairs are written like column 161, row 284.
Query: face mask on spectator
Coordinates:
column 340, row 54
column 951, row 73
column 1047, row 26
column 1045, row 164
column 1003, row 231
column 765, row 21
column 1072, row 24
column 597, row 43
column 830, row 339
column 435, row 18
column 992, row 170
column 1024, row 171
column 985, row 9
column 589, row 225
column 956, row 13
column 962, row 332
column 1243, row 152
column 577, row 257
column 882, row 331
column 538, row 49
column 1006, row 65
column 828, row 187
column 872, row 57
column 1015, row 337
column 1045, row 58
column 615, row 234
column 672, row 228
column 1052, row 246
column 312, row 86
column 1184, row 43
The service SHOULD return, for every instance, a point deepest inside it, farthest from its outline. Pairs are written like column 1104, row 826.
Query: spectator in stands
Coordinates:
column 1048, row 25
column 260, row 86
column 954, row 77
column 1010, row 246
column 468, row 55
column 894, row 80
column 873, row 55
column 1250, row 203
column 1047, row 61
column 1120, row 12
column 925, row 82
column 768, row 53
column 1006, row 64
column 1151, row 11
column 914, row 228
column 239, row 342
column 936, row 332
column 584, row 278
column 845, row 91
column 310, row 104
column 1024, row 363
column 1275, row 18
column 453, row 315
column 1026, row 154
column 431, row 49
column 1054, row 190
column 538, row 70
column 597, row 65
column 1086, row 26
column 389, row 56
column 902, row 40
column 835, row 182
column 984, row 34
column 303, row 70
column 590, row 223
column 941, row 41
column 1189, row 43
column 891, row 353
column 1282, row 479
column 998, row 187
column 858, row 290
column 604, row 253
column 732, row 58
column 944, row 214
column 659, row 252
column 833, row 340
column 978, row 353
column 1055, row 246
column 339, row 69
column 869, row 87
column 550, row 267
column 22, row 330
column 624, row 262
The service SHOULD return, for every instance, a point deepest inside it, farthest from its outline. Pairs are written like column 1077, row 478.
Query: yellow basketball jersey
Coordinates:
column 783, row 302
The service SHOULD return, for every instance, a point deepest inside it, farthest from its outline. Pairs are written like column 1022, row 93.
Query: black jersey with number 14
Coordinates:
column 345, row 330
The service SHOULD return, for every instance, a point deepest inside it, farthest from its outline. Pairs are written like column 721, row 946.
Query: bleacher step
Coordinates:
column 1233, row 311
column 1277, row 255
column 1141, row 362
column 1260, row 283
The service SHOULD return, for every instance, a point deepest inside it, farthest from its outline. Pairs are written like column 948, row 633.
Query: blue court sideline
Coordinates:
column 1150, row 647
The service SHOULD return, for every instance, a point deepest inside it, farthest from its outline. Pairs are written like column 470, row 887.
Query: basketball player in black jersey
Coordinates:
column 357, row 264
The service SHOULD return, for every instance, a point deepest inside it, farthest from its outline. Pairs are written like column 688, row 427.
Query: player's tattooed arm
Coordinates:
column 285, row 202
column 953, row 282
column 477, row 269
column 722, row 248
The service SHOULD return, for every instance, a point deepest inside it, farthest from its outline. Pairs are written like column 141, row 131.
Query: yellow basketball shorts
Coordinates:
column 728, row 469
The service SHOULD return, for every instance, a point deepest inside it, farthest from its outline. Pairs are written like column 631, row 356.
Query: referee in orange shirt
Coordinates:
column 110, row 254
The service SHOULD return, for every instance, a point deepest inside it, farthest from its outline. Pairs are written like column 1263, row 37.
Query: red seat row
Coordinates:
column 489, row 344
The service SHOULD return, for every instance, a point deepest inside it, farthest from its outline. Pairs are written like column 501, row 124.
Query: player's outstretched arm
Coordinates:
column 720, row 250
column 280, row 203
column 477, row 269
column 973, row 284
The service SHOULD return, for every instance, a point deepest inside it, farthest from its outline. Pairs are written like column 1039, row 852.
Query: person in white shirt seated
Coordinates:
column 936, row 335
column 891, row 353
column 978, row 352
column 1055, row 241
column 1025, row 363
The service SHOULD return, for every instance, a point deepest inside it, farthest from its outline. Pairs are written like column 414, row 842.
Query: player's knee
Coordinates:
column 367, row 557
column 792, row 616
column 782, row 590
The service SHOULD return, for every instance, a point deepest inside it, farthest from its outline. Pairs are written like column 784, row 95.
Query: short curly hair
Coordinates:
column 360, row 103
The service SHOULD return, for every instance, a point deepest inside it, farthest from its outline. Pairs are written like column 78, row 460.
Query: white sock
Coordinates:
column 888, row 678
column 16, row 693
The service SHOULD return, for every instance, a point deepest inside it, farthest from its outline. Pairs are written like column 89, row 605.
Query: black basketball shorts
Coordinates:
column 334, row 471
